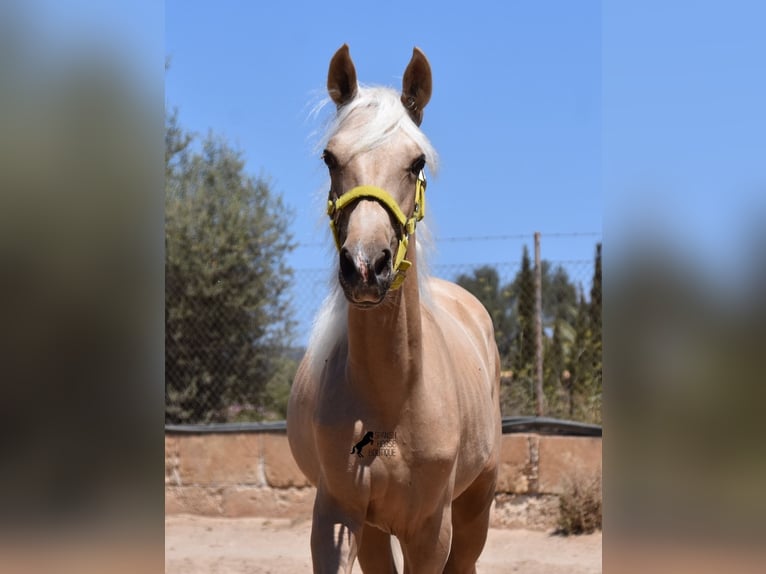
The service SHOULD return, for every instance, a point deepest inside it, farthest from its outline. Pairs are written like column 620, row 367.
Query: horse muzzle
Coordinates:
column 365, row 275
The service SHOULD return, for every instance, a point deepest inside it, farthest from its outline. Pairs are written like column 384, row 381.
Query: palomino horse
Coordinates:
column 394, row 412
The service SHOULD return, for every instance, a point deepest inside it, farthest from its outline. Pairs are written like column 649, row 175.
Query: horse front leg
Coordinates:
column 335, row 535
column 470, row 523
column 375, row 555
column 427, row 548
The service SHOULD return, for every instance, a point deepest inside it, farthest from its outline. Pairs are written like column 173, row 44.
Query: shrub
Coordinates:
column 580, row 506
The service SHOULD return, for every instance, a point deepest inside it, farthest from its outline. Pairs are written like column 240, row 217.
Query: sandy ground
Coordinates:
column 195, row 544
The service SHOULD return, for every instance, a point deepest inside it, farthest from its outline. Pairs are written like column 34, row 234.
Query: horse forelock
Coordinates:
column 384, row 116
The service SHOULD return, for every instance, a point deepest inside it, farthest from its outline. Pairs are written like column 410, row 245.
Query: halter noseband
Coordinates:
column 407, row 225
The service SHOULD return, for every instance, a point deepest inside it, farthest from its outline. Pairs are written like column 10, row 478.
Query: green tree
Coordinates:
column 595, row 301
column 584, row 365
column 571, row 348
column 485, row 285
column 227, row 320
column 596, row 339
column 523, row 293
column 559, row 299
column 559, row 295
column 554, row 373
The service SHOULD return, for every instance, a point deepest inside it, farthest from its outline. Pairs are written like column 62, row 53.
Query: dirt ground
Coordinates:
column 196, row 544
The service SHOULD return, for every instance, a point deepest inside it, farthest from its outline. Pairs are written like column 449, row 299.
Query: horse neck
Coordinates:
column 385, row 347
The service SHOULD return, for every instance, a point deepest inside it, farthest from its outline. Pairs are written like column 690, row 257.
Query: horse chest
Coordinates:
column 395, row 476
column 403, row 491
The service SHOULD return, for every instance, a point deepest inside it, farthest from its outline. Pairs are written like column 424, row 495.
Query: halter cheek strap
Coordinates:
column 406, row 225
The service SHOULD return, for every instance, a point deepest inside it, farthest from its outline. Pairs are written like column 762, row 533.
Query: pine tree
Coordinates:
column 595, row 391
column 595, row 299
column 524, row 292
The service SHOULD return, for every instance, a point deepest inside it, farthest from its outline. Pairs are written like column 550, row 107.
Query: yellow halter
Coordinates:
column 401, row 265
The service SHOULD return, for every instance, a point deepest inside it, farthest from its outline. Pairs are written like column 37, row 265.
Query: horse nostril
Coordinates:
column 347, row 266
column 382, row 263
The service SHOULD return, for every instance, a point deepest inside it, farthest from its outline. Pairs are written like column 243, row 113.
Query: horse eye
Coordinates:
column 418, row 165
column 329, row 159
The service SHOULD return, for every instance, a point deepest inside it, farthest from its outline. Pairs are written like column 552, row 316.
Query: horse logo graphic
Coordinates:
column 357, row 448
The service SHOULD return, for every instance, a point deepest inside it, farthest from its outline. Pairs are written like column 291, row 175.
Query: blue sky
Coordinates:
column 684, row 131
column 515, row 112
column 548, row 115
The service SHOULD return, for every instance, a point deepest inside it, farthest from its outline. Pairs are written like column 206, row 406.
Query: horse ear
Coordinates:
column 341, row 78
column 416, row 85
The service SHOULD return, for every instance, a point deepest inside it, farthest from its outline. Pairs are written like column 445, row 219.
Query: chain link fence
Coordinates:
column 222, row 366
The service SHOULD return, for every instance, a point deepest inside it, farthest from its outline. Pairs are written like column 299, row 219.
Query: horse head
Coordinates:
column 376, row 155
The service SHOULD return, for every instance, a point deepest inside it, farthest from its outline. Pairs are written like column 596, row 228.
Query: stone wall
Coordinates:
column 253, row 474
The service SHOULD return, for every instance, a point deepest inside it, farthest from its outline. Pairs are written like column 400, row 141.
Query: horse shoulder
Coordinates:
column 300, row 428
column 469, row 333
